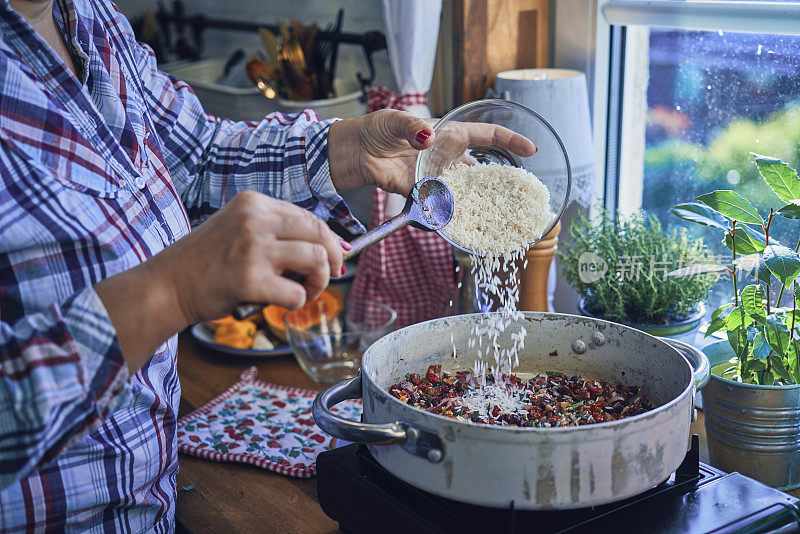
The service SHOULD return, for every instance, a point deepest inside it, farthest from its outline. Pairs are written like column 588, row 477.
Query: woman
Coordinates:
column 104, row 164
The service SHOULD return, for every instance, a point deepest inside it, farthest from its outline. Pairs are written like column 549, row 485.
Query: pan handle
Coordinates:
column 697, row 359
column 417, row 442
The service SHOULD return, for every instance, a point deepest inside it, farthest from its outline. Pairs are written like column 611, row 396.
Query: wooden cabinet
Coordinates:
column 489, row 36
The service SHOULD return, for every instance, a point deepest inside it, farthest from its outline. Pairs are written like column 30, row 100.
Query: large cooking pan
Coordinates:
column 536, row 468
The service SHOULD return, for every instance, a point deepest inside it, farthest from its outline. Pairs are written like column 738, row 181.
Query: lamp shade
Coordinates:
column 560, row 96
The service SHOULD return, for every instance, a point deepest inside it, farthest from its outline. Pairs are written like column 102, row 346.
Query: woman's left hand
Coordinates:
column 381, row 148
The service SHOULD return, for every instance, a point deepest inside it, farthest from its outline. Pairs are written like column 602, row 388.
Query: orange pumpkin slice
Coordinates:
column 332, row 305
column 236, row 334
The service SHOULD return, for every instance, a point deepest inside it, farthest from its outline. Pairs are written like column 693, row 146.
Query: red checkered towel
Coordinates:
column 412, row 271
column 263, row 424
column 384, row 98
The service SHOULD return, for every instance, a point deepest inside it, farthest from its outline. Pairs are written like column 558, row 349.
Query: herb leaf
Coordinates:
column 761, row 348
column 738, row 318
column 700, row 214
column 738, row 341
column 747, row 241
column 732, row 205
column 779, row 368
column 717, row 323
column 783, row 262
column 780, row 177
column 790, row 211
column 777, row 334
column 753, row 302
column 793, row 357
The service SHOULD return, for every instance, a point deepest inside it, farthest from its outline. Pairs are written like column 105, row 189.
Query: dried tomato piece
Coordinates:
column 434, row 373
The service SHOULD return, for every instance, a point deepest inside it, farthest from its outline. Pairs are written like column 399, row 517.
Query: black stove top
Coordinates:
column 364, row 498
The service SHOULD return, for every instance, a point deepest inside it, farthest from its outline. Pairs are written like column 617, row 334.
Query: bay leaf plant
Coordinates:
column 763, row 335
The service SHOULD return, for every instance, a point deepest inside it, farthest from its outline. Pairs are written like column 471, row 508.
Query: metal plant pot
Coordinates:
column 670, row 329
column 754, row 430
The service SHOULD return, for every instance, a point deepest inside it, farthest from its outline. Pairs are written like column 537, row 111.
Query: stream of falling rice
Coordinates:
column 497, row 209
column 493, row 356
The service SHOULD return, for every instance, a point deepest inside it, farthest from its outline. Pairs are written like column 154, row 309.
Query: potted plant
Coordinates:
column 619, row 267
column 752, row 401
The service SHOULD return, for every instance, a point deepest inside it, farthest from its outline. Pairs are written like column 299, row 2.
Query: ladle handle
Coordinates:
column 376, row 234
column 246, row 309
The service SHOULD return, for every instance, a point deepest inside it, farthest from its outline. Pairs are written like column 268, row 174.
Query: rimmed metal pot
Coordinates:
column 535, row 468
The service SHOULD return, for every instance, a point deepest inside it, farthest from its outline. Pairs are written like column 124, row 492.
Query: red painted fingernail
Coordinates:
column 343, row 269
column 345, row 244
column 423, row 135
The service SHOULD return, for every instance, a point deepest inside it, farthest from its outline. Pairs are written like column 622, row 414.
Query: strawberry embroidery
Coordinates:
column 263, row 421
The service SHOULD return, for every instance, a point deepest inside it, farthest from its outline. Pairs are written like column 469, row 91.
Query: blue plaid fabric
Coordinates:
column 97, row 174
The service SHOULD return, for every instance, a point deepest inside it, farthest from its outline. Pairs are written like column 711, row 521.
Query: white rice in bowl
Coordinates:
column 499, row 209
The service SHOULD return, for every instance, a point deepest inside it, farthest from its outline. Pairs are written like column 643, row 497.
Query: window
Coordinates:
column 689, row 98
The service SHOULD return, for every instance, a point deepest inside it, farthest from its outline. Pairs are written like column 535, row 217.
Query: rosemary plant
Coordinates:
column 631, row 257
column 763, row 335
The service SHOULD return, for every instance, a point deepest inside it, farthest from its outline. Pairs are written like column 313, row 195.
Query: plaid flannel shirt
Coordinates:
column 97, row 174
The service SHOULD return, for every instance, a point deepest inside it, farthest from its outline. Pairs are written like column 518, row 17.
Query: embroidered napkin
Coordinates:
column 262, row 424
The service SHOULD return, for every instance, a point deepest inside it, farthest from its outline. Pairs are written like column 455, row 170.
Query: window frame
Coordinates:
column 582, row 40
column 602, row 57
column 619, row 137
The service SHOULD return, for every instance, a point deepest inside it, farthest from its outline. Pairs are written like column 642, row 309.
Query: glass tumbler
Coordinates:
column 329, row 348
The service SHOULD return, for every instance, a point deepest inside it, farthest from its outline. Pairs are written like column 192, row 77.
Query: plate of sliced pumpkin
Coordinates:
column 261, row 335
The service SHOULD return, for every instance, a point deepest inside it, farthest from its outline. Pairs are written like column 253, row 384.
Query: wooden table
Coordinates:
column 231, row 497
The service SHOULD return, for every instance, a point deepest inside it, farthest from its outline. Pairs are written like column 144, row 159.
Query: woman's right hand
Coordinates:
column 238, row 255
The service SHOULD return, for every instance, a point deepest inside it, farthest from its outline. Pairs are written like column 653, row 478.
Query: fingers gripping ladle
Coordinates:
column 429, row 207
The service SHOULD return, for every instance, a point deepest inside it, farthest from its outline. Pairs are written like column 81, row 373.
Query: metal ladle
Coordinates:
column 428, row 207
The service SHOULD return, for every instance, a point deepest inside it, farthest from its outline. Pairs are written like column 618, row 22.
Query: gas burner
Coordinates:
column 365, row 498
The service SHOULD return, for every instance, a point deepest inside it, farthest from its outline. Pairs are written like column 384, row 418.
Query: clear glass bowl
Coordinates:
column 550, row 163
column 329, row 349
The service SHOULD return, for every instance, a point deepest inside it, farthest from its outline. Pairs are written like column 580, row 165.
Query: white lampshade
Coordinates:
column 560, row 96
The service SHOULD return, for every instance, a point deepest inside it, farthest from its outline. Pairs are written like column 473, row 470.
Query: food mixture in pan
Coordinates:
column 553, row 400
